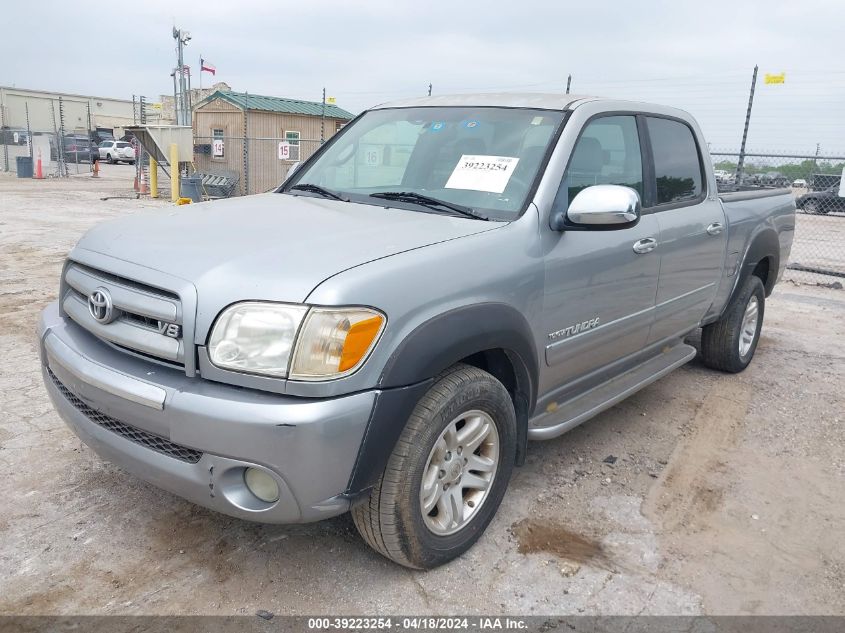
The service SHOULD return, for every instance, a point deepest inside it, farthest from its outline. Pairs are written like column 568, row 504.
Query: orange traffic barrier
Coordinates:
column 96, row 172
column 39, row 173
column 143, row 187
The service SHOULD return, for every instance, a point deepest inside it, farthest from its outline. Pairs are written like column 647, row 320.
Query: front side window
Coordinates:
column 607, row 153
column 486, row 158
column 677, row 166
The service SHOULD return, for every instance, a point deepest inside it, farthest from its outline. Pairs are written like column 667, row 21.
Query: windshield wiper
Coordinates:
column 428, row 201
column 326, row 193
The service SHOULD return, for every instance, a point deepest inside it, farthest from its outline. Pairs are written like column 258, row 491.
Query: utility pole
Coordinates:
column 429, row 90
column 323, row 119
column 741, row 162
column 568, row 83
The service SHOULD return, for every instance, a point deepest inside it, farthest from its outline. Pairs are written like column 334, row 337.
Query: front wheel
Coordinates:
column 109, row 159
column 447, row 474
column 729, row 343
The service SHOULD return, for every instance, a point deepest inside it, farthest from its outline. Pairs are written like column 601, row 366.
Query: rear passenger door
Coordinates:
column 691, row 224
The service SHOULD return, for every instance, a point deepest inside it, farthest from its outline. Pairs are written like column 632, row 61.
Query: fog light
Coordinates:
column 261, row 485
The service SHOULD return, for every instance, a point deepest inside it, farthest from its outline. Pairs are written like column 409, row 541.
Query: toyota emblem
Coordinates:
column 100, row 305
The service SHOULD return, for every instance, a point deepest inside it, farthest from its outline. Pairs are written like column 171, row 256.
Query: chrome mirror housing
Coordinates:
column 604, row 206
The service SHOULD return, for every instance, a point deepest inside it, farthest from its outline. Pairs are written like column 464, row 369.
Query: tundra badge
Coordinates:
column 574, row 329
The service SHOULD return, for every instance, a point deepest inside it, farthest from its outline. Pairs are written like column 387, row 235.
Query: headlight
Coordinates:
column 260, row 338
column 255, row 337
column 334, row 342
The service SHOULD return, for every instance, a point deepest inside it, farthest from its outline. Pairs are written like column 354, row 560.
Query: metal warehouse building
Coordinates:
column 258, row 138
column 44, row 110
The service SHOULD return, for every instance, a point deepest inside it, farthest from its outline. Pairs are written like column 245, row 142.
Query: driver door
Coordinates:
column 606, row 279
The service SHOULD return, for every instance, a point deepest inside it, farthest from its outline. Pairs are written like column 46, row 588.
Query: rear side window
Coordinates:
column 122, row 145
column 677, row 165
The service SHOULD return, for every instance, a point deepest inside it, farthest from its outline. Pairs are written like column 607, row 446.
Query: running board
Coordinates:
column 571, row 413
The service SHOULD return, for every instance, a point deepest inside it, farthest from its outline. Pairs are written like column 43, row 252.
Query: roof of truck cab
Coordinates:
column 540, row 100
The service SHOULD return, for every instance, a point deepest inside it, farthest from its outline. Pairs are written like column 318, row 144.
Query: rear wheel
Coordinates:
column 109, row 159
column 810, row 207
column 729, row 343
column 447, row 474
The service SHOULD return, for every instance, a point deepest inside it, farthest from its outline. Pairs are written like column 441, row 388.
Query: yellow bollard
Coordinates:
column 153, row 178
column 174, row 172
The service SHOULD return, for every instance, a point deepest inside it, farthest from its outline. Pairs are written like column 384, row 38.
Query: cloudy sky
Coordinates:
column 695, row 55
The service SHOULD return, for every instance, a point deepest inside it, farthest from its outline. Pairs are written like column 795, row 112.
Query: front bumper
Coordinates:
column 194, row 437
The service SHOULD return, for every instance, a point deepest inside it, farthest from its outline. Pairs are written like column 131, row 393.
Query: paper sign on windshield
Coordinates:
column 482, row 173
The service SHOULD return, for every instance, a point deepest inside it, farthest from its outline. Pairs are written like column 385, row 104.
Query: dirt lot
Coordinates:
column 727, row 494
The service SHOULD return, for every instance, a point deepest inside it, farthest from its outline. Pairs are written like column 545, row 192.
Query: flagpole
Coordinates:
column 200, row 75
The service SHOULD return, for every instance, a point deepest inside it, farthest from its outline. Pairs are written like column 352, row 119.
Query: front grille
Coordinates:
column 140, row 312
column 144, row 438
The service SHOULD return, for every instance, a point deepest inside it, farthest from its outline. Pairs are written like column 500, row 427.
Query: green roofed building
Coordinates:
column 258, row 138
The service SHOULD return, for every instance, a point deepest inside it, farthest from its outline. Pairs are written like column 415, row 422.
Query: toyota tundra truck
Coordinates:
column 443, row 280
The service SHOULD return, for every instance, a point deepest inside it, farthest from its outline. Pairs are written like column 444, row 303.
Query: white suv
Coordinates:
column 116, row 151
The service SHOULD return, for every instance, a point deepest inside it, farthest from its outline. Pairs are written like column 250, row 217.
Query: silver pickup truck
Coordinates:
column 442, row 281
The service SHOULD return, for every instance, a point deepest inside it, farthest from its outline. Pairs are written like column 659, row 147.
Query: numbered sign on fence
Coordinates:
column 217, row 147
column 284, row 150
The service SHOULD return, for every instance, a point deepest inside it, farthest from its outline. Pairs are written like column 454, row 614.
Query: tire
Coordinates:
column 109, row 159
column 729, row 344
column 391, row 519
column 810, row 206
column 131, row 162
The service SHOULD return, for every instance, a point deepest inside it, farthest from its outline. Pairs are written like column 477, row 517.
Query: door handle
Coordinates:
column 715, row 228
column 645, row 245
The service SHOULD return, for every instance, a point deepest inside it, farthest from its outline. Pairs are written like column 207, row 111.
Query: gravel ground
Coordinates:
column 725, row 496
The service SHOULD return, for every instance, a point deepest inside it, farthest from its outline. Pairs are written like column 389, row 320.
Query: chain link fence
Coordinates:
column 53, row 142
column 818, row 250
column 248, row 165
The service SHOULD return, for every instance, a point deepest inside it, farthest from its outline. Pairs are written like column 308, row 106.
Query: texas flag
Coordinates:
column 209, row 68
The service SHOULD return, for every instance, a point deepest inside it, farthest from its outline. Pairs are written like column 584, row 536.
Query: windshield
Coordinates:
column 481, row 158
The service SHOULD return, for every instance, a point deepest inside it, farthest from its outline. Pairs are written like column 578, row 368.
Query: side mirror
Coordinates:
column 603, row 207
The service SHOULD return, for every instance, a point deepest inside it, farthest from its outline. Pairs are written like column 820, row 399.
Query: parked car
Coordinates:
column 77, row 148
column 348, row 342
column 99, row 135
column 13, row 136
column 822, row 201
column 799, row 183
column 117, row 151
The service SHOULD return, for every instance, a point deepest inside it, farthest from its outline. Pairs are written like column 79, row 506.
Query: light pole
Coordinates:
column 182, row 38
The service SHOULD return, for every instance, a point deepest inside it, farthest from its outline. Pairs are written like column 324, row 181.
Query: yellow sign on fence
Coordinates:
column 775, row 79
column 331, row 100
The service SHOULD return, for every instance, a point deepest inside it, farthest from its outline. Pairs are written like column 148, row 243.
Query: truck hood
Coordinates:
column 271, row 246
